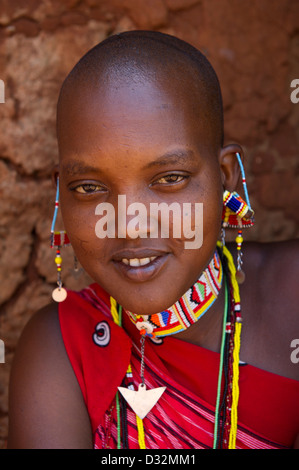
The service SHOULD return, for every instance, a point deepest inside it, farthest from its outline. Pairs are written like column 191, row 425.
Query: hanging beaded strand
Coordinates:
column 240, row 275
column 58, row 239
column 121, row 416
column 243, row 180
column 222, row 412
column 58, row 261
column 237, row 213
column 226, row 417
column 221, row 367
column 55, row 212
column 236, row 350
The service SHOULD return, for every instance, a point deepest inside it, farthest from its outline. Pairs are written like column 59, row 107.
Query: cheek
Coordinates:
column 206, row 210
column 79, row 223
column 212, row 216
column 213, row 199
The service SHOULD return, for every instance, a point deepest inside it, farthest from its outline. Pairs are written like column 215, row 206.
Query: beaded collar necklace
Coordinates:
column 187, row 310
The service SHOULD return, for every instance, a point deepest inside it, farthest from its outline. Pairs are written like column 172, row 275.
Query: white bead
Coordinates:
column 144, row 325
column 59, row 294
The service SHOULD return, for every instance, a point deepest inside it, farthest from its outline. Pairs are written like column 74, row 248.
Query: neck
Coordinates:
column 187, row 311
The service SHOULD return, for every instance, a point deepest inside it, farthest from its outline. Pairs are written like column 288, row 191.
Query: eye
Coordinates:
column 88, row 188
column 171, row 179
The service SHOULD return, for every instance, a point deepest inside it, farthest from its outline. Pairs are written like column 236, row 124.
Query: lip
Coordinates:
column 137, row 253
column 140, row 273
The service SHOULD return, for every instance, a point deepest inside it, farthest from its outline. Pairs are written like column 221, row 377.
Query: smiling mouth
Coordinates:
column 135, row 262
column 140, row 267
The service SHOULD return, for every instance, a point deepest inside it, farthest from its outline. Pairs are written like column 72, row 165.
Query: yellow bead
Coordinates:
column 239, row 239
column 58, row 260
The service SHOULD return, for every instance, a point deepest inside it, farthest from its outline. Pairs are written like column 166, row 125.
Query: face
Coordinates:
column 145, row 141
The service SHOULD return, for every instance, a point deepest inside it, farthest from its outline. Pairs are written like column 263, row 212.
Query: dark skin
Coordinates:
column 110, row 123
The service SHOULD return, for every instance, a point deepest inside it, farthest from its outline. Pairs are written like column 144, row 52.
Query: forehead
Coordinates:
column 163, row 104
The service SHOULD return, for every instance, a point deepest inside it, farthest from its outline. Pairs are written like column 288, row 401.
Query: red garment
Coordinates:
column 183, row 418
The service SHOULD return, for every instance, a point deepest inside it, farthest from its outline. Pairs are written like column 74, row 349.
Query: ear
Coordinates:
column 55, row 174
column 229, row 165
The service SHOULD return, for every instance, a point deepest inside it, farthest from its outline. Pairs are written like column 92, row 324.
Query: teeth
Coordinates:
column 134, row 262
column 144, row 261
column 138, row 261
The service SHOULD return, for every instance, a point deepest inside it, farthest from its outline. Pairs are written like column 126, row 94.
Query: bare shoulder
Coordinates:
column 271, row 299
column 46, row 405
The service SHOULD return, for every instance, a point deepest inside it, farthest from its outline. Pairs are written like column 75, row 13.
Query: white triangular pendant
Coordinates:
column 142, row 400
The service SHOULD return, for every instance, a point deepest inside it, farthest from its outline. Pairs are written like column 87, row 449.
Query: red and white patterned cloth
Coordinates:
column 183, row 418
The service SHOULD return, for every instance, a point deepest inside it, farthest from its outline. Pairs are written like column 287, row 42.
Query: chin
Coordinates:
column 142, row 301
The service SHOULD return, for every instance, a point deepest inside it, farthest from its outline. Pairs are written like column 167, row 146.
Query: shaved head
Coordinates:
column 140, row 116
column 138, row 56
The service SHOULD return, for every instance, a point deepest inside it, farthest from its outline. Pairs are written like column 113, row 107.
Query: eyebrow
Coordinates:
column 74, row 168
column 172, row 158
column 181, row 156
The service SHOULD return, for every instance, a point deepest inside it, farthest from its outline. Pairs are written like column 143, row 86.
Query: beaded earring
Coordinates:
column 237, row 214
column 58, row 239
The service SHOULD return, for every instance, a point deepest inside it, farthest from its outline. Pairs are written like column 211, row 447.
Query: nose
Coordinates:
column 132, row 218
column 126, row 215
